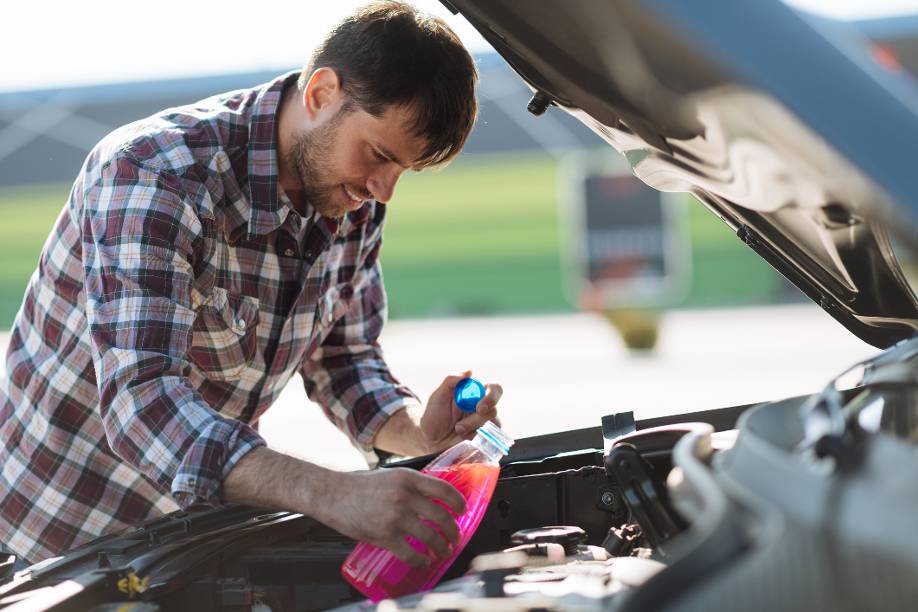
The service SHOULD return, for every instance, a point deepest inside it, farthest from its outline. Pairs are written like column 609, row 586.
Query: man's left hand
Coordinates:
column 444, row 424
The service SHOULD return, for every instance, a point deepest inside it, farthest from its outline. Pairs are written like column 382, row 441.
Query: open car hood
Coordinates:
column 785, row 129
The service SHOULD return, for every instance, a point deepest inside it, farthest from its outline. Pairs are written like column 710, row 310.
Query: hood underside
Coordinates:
column 793, row 137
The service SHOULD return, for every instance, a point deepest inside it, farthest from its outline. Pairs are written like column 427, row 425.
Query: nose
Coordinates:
column 381, row 184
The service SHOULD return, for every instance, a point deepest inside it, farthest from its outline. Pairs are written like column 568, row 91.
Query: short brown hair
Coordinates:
column 386, row 54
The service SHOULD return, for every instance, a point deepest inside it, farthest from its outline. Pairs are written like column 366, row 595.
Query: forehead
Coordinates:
column 391, row 131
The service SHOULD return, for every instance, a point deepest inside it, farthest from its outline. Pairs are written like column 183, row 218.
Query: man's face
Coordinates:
column 353, row 157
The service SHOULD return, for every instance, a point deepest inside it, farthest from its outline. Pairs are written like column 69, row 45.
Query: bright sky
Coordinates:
column 50, row 44
column 53, row 44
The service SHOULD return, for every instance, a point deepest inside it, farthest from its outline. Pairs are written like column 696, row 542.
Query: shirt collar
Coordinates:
column 267, row 212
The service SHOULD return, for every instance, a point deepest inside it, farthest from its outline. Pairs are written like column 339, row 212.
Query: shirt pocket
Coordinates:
column 225, row 338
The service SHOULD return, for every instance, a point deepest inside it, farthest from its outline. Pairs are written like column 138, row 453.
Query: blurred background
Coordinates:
column 500, row 262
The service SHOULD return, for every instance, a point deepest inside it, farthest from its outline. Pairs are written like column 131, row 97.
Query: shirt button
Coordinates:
column 289, row 252
column 240, row 326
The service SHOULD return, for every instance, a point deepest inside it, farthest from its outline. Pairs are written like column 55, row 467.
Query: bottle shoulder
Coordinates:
column 463, row 452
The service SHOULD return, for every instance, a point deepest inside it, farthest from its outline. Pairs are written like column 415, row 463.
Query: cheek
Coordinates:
column 354, row 163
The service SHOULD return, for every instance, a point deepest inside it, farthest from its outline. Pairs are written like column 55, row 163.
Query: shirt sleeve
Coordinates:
column 140, row 239
column 348, row 376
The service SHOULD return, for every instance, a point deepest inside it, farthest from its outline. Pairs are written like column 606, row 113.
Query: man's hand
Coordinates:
column 442, row 424
column 381, row 507
column 384, row 507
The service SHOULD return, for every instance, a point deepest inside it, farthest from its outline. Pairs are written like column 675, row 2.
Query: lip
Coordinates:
column 353, row 197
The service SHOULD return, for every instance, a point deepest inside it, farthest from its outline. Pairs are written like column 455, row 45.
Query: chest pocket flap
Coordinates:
column 225, row 338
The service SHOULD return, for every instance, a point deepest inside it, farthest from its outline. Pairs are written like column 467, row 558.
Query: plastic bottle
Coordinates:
column 472, row 466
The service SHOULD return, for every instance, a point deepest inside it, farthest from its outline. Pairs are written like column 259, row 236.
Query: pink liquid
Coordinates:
column 378, row 574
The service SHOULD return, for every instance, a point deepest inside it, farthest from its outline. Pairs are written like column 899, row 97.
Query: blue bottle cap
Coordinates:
column 468, row 393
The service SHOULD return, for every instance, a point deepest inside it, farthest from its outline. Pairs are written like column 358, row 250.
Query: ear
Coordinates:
column 322, row 93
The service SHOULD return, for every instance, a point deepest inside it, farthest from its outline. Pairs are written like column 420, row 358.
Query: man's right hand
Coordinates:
column 384, row 507
column 381, row 507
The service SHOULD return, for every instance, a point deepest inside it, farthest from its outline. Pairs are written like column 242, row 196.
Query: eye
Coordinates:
column 378, row 156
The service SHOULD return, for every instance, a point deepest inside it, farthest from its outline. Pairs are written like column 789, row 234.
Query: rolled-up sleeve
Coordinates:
column 139, row 239
column 348, row 376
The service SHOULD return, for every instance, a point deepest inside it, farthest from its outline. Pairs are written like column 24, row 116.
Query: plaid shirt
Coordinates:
column 172, row 303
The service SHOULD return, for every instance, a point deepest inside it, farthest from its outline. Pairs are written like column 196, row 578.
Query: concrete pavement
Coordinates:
column 565, row 371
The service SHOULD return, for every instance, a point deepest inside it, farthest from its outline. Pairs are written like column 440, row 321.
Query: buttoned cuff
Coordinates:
column 209, row 460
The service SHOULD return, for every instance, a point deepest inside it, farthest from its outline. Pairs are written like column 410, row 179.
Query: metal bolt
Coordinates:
column 539, row 103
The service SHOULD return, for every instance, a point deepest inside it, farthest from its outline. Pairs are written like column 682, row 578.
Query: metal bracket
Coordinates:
column 641, row 493
column 616, row 425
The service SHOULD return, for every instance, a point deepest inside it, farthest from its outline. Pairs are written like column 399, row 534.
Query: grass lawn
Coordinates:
column 480, row 237
column 27, row 216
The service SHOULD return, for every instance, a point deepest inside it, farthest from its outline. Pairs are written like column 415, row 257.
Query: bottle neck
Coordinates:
column 492, row 441
column 486, row 446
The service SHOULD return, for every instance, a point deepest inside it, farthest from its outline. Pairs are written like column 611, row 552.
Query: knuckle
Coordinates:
column 445, row 520
column 398, row 497
column 426, row 534
column 446, row 493
column 401, row 476
column 387, row 524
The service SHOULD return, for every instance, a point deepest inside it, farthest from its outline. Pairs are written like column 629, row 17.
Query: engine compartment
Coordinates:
column 239, row 558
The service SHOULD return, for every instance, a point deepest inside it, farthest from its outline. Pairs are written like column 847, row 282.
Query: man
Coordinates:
column 205, row 255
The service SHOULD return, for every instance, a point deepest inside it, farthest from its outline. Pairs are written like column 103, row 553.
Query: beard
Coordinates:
column 309, row 157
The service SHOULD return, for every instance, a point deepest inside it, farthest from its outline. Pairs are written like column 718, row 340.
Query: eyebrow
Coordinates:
column 392, row 156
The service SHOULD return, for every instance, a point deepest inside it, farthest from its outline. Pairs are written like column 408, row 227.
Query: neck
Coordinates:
column 287, row 119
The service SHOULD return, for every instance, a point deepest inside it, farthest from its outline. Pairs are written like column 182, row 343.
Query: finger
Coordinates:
column 439, row 517
column 452, row 380
column 467, row 426
column 486, row 410
column 430, row 486
column 406, row 552
column 428, row 536
column 487, row 407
